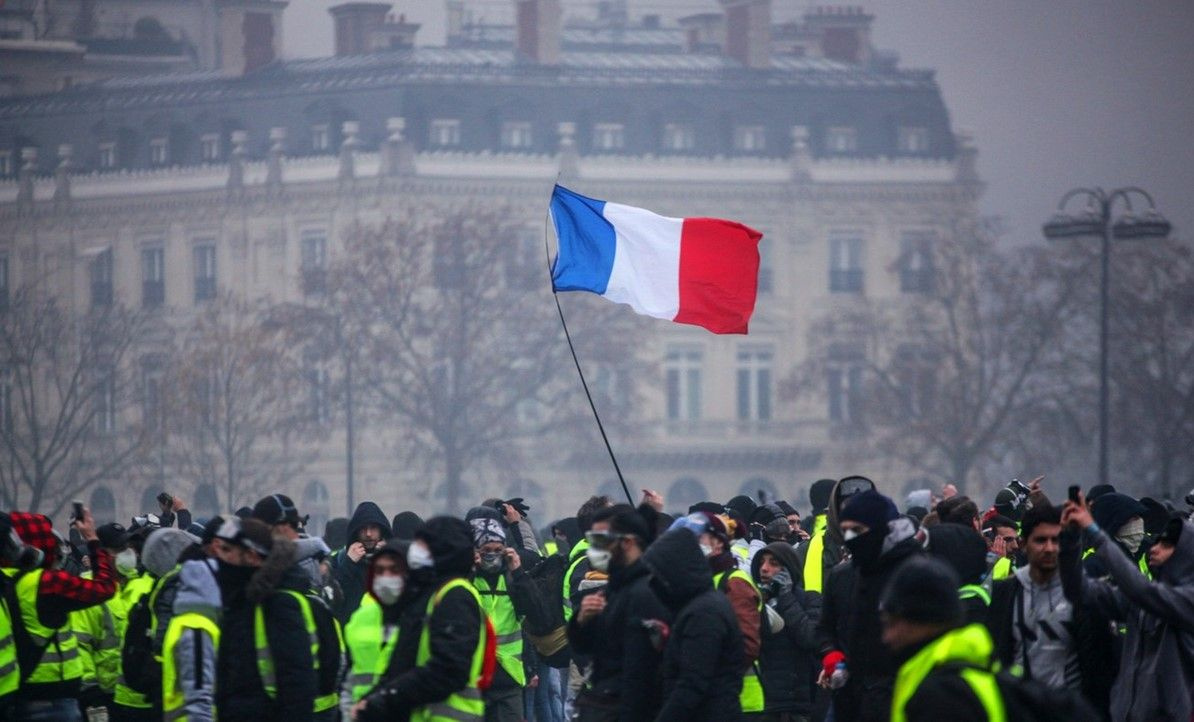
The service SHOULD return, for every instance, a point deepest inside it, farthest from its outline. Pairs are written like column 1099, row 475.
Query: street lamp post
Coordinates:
column 1097, row 221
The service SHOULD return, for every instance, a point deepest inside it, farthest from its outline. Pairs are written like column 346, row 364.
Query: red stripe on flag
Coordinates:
column 719, row 274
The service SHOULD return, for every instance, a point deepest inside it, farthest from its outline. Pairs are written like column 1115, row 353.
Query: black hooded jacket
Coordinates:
column 240, row 694
column 702, row 662
column 786, row 658
column 454, row 628
column 350, row 575
column 625, row 663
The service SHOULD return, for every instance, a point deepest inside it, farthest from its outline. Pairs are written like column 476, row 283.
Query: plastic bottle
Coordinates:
column 838, row 679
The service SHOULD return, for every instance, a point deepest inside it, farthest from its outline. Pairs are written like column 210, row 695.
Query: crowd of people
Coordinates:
column 1021, row 610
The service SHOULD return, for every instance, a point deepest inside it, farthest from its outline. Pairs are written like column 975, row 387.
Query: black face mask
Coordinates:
column 866, row 548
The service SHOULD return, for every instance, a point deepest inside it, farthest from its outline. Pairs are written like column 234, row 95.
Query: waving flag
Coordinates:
column 700, row 271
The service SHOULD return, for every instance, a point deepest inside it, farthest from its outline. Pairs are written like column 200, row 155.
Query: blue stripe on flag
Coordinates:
column 586, row 240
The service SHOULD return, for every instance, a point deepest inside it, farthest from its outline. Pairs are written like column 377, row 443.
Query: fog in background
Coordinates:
column 1058, row 93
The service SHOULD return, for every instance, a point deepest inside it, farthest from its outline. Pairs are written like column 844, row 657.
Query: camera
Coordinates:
column 16, row 553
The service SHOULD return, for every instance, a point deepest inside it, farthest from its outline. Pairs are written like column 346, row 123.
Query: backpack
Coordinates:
column 547, row 630
column 141, row 670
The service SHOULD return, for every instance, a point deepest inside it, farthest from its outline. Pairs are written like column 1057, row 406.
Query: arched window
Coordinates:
column 315, row 505
column 752, row 487
column 206, row 503
column 685, row 492
column 103, row 505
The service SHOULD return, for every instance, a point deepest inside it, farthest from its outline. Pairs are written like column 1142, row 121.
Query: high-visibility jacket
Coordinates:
column 1002, row 569
column 751, row 697
column 60, row 659
column 371, row 645
column 575, row 557
column 465, row 704
column 100, row 631
column 500, row 608
column 975, row 591
column 173, row 699
column 970, row 648
column 1141, row 563
column 10, row 671
column 134, row 590
column 265, row 660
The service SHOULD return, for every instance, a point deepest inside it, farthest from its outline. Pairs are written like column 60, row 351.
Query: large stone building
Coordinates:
column 241, row 176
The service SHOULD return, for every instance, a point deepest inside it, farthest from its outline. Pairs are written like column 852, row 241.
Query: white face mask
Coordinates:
column 387, row 589
column 598, row 559
column 1131, row 535
column 419, row 556
column 126, row 562
column 849, row 534
column 706, row 550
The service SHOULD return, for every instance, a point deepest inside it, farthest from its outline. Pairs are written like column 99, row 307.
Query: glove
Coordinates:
column 829, row 662
column 519, row 504
column 781, row 582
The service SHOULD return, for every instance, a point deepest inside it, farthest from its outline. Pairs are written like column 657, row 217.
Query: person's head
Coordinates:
column 920, row 603
column 369, row 527
column 1162, row 551
column 489, row 538
column 769, row 566
column 584, row 515
column 864, row 512
column 370, row 535
column 243, row 542
column 387, row 573
column 792, row 516
column 163, row 547
column 617, row 538
column 818, row 495
column 768, row 522
column 1122, row 517
column 279, row 513
column 715, row 540
column 959, row 510
column 115, row 538
column 1001, row 527
column 443, row 547
column 1040, row 531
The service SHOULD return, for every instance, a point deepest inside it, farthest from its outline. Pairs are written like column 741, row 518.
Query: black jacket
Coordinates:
column 350, row 575
column 703, row 660
column 786, row 659
column 240, row 694
column 625, row 662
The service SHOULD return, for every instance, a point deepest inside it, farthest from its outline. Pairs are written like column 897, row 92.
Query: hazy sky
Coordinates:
column 1058, row 93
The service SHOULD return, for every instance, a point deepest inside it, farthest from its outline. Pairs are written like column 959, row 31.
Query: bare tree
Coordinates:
column 66, row 390
column 461, row 347
column 235, row 406
column 952, row 371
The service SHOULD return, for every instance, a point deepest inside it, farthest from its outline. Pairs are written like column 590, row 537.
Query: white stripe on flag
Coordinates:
column 646, row 271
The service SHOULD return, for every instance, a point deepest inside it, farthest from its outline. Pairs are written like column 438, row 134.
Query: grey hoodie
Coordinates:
column 195, row 653
column 1156, row 671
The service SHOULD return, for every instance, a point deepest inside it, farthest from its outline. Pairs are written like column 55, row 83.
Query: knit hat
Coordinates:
column 766, row 513
column 710, row 506
column 962, row 548
column 818, row 495
column 786, row 508
column 1172, row 532
column 405, row 523
column 1113, row 510
column 742, row 504
column 162, row 547
column 276, row 509
column 244, row 512
column 923, row 589
column 112, row 536
column 486, row 525
column 870, row 508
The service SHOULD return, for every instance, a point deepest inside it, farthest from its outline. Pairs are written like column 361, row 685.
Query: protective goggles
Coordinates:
column 852, row 485
column 602, row 539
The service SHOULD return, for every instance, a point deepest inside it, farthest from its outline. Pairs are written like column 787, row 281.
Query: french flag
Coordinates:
column 700, row 271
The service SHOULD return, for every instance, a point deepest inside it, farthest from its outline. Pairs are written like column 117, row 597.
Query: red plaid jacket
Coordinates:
column 59, row 592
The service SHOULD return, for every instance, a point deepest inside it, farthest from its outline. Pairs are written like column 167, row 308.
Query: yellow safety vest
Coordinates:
column 135, row 589
column 751, row 697
column 813, row 563
column 10, row 672
column 465, row 704
column 265, row 660
column 1002, row 569
column 550, row 547
column 100, row 631
column 972, row 591
column 172, row 694
column 60, row 661
column 1141, row 563
column 500, row 608
column 370, row 648
column 574, row 559
column 970, row 645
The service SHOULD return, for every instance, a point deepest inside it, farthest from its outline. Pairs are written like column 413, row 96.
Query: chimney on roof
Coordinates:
column 250, row 34
column 537, row 31
column 355, row 23
column 748, row 32
column 845, row 32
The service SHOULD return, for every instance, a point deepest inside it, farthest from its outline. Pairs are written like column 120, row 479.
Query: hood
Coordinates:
column 571, row 529
column 198, row 590
column 962, row 548
column 834, row 509
column 450, row 541
column 162, row 548
column 681, row 571
column 404, row 525
column 311, row 548
column 1180, row 567
column 368, row 513
column 1113, row 510
column 784, row 552
column 278, row 571
column 37, row 531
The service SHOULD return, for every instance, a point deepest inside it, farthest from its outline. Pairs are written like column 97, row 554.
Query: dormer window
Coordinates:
column 841, row 139
column 516, row 134
column 209, row 147
column 159, row 151
column 107, row 155
column 445, row 132
column 913, row 140
column 750, row 138
column 609, row 136
column 679, row 137
column 320, row 140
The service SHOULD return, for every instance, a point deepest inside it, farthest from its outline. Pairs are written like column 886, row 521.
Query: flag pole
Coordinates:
column 584, row 384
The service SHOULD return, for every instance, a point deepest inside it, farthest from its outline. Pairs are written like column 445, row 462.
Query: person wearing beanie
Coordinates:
column 1155, row 680
column 368, row 530
column 1122, row 518
column 742, row 504
column 924, row 628
column 878, row 540
column 437, row 662
column 260, row 584
column 404, row 524
column 282, row 516
column 825, row 542
column 609, row 624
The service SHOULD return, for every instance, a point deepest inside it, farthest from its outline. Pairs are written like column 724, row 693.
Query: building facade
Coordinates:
column 189, row 185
